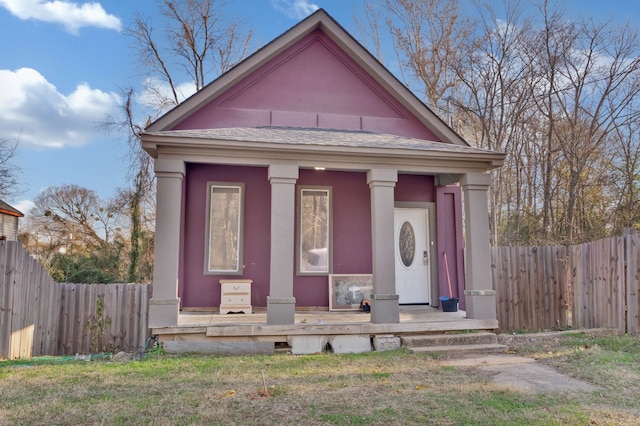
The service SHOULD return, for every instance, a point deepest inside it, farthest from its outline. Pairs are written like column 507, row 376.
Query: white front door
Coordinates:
column 412, row 256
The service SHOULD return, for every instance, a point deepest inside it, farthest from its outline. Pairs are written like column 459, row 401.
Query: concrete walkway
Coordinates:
column 521, row 373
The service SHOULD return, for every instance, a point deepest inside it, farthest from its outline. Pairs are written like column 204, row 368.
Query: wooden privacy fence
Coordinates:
column 41, row 317
column 532, row 291
column 591, row 285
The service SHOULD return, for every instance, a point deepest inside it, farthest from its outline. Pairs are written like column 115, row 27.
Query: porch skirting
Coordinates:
column 240, row 333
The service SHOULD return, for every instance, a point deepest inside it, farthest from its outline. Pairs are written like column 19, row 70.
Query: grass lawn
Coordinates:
column 392, row 388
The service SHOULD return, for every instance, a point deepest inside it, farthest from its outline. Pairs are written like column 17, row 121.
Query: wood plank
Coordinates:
column 42, row 295
column 537, row 283
column 632, row 281
column 15, row 280
column 341, row 329
column 127, row 317
column 179, row 330
column 28, row 325
column 110, row 308
column 6, row 299
column 144, row 313
column 203, row 337
column 132, row 319
column 45, row 313
column 68, row 347
column 583, row 268
column 84, row 306
column 513, row 288
column 618, row 312
column 525, row 298
column 55, row 307
column 123, row 311
column 90, row 295
column 550, row 299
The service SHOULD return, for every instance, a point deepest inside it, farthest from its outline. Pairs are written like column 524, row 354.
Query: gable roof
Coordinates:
column 8, row 210
column 319, row 20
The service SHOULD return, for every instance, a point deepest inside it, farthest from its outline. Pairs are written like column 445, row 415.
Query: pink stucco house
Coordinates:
column 307, row 159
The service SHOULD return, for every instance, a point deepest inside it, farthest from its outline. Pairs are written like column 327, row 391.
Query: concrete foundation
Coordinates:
column 350, row 344
column 220, row 348
column 387, row 342
column 306, row 345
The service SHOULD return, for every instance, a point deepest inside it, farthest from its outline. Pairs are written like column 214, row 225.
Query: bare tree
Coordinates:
column 195, row 42
column 494, row 100
column 428, row 36
column 589, row 75
column 76, row 214
column 626, row 168
column 8, row 171
column 75, row 235
column 370, row 30
column 557, row 94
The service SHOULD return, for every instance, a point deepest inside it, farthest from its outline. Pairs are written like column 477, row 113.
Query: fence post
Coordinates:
column 631, row 281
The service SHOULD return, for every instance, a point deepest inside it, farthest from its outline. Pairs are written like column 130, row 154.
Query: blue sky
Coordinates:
column 63, row 64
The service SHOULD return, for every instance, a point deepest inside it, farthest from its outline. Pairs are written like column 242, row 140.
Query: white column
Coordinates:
column 479, row 293
column 384, row 300
column 165, row 305
column 281, row 304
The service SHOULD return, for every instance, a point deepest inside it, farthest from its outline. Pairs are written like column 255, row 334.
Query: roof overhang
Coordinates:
column 8, row 210
column 330, row 149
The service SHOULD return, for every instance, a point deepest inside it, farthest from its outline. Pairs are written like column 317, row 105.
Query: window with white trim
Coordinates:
column 314, row 230
column 225, row 203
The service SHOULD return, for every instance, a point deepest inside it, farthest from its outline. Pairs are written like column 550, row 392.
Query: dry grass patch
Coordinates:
column 394, row 387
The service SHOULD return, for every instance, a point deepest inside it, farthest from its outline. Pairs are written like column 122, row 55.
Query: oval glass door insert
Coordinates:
column 407, row 244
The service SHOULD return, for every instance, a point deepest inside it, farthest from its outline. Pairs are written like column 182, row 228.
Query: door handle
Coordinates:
column 425, row 257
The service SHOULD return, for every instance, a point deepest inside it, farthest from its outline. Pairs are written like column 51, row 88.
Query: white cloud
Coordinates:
column 24, row 206
column 72, row 16
column 157, row 94
column 35, row 113
column 294, row 9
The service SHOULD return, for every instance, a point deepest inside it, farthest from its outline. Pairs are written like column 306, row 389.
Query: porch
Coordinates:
column 210, row 332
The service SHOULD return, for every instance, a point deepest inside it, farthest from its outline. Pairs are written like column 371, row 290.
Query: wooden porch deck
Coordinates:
column 213, row 327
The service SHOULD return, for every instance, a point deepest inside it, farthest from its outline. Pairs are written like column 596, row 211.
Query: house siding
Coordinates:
column 8, row 227
column 198, row 289
column 313, row 83
column 351, row 230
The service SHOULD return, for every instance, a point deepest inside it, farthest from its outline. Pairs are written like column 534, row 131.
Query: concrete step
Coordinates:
column 462, row 349
column 455, row 339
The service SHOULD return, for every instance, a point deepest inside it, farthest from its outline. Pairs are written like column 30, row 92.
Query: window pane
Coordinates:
column 224, row 228
column 314, row 231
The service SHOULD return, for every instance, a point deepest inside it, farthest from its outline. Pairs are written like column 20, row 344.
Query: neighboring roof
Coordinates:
column 323, row 21
column 355, row 143
column 7, row 209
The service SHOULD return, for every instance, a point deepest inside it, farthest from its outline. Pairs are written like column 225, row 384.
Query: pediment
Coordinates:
column 314, row 75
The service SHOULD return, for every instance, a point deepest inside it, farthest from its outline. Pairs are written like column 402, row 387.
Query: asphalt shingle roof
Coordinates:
column 319, row 137
column 7, row 209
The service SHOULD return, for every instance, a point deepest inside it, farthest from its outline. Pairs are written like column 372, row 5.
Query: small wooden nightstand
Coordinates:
column 235, row 296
